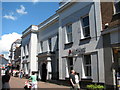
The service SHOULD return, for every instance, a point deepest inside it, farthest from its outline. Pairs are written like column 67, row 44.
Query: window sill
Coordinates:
column 86, row 79
column 85, row 38
column 116, row 16
column 68, row 43
column 116, row 13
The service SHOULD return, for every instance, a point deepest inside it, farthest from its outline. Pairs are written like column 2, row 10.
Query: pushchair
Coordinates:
column 28, row 85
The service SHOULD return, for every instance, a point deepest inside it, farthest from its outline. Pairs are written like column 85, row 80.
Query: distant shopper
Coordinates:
column 33, row 79
column 72, row 79
column 77, row 85
column 21, row 74
column 5, row 81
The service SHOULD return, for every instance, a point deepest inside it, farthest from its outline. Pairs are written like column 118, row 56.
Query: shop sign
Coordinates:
column 78, row 51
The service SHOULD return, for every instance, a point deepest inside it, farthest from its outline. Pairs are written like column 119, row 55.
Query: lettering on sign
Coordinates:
column 78, row 51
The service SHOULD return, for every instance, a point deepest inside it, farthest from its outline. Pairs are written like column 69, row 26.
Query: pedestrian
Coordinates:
column 5, row 81
column 33, row 78
column 72, row 79
column 21, row 74
column 77, row 85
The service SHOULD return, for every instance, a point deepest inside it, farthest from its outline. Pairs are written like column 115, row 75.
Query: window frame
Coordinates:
column 115, row 10
column 41, row 46
column 84, row 27
column 70, row 64
column 50, row 43
column 87, row 65
column 69, row 34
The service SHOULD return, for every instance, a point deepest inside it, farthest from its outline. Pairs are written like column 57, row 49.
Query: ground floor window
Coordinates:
column 70, row 63
column 87, row 65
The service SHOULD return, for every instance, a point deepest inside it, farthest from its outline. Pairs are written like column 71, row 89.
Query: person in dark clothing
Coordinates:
column 5, row 81
column 72, row 78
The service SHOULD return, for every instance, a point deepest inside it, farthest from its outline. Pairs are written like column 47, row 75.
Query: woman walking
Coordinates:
column 33, row 79
column 77, row 81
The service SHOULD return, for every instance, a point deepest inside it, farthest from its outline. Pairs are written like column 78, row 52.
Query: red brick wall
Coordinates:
column 107, row 12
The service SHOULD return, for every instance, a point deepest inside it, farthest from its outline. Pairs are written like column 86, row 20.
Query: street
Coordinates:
column 16, row 82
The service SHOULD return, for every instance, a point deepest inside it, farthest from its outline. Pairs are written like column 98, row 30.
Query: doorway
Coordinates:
column 44, row 72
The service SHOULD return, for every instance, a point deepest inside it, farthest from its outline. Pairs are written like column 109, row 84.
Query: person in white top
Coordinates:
column 77, row 85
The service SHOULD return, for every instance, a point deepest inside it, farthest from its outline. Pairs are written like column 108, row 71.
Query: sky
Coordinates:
column 18, row 16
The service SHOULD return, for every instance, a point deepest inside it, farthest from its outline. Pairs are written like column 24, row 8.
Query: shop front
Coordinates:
column 85, row 63
column 111, row 44
column 116, row 56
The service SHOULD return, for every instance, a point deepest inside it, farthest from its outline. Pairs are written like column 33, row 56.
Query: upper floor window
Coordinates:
column 87, row 65
column 49, row 42
column 57, row 44
column 41, row 44
column 86, row 26
column 27, row 50
column 69, row 32
column 117, row 6
column 28, row 47
column 24, row 50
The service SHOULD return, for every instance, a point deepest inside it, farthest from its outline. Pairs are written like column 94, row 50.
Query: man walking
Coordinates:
column 72, row 78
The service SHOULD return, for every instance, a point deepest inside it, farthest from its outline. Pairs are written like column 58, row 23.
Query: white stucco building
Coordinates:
column 48, row 48
column 29, row 49
column 72, row 38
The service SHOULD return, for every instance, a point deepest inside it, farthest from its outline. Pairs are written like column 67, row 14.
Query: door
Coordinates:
column 44, row 72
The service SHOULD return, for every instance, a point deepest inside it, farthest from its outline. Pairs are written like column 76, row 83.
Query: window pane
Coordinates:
column 41, row 43
column 117, row 6
column 71, row 61
column 87, row 65
column 69, row 28
column 88, row 71
column 87, row 59
column 86, row 21
column 69, row 37
column 86, row 32
column 49, row 41
column 69, row 32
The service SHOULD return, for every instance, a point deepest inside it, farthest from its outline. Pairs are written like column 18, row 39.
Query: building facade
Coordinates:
column 29, row 50
column 111, row 45
column 80, row 41
column 15, row 54
column 3, row 64
column 48, row 48
column 76, row 37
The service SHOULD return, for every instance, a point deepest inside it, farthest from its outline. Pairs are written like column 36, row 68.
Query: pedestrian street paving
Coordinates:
column 16, row 82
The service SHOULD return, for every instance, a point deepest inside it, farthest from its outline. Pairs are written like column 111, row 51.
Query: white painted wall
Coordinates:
column 33, row 52
column 73, row 14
